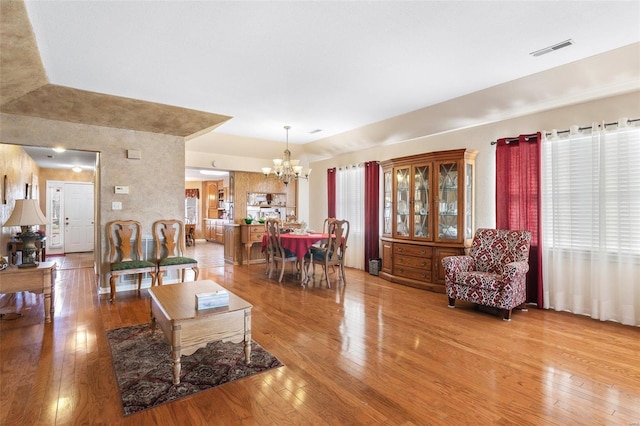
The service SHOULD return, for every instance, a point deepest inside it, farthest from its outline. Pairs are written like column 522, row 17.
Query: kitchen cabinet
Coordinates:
column 209, row 230
column 214, row 230
column 216, row 199
column 428, row 214
column 211, row 198
column 232, row 246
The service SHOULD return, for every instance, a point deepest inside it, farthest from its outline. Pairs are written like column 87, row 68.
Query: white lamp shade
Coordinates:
column 26, row 213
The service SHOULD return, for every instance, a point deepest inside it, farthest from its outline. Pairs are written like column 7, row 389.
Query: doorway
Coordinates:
column 70, row 210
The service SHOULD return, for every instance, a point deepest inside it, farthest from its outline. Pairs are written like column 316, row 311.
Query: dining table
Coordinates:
column 297, row 243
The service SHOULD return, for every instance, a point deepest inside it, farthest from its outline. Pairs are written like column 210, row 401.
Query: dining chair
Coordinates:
column 190, row 235
column 125, row 253
column 268, row 251
column 333, row 254
column 170, row 247
column 277, row 252
column 325, row 226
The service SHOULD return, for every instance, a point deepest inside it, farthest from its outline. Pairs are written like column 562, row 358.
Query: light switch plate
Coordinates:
column 116, row 205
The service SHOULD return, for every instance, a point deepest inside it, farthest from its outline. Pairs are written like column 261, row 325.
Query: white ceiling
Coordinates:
column 48, row 158
column 327, row 65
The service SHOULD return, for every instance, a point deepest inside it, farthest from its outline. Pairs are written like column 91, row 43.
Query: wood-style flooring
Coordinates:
column 370, row 352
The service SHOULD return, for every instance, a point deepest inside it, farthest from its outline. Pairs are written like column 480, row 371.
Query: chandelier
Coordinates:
column 286, row 169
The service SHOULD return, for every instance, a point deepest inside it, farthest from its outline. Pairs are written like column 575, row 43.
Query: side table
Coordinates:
column 35, row 280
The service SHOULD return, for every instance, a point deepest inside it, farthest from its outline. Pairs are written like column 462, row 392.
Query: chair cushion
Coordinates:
column 170, row 261
column 485, row 280
column 132, row 264
column 319, row 254
column 287, row 254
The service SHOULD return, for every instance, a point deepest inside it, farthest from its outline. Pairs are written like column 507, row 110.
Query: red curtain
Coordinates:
column 518, row 199
column 371, row 211
column 192, row 193
column 331, row 192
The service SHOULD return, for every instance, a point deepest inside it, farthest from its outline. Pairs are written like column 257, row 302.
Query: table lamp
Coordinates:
column 26, row 214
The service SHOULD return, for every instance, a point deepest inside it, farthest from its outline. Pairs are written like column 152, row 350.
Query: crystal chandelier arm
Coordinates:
column 286, row 169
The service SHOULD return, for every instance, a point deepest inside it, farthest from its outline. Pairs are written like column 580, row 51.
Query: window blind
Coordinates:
column 591, row 191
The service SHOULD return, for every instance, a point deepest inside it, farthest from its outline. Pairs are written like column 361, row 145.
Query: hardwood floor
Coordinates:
column 370, row 352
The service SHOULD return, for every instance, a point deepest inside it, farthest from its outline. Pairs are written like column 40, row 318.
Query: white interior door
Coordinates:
column 78, row 217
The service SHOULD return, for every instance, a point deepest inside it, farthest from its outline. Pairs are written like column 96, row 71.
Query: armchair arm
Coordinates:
column 514, row 270
column 454, row 264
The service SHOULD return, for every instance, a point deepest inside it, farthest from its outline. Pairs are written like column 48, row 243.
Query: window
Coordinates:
column 350, row 206
column 591, row 191
column 591, row 223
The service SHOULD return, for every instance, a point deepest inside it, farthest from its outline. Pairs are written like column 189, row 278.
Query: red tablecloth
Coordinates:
column 299, row 244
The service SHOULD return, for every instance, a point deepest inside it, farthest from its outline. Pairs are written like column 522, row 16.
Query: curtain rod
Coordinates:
column 527, row 137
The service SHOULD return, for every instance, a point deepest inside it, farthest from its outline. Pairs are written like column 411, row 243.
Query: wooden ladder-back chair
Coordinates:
column 333, row 254
column 125, row 253
column 190, row 235
column 268, row 250
column 325, row 228
column 170, row 237
column 276, row 252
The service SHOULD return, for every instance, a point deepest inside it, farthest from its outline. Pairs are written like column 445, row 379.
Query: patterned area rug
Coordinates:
column 142, row 361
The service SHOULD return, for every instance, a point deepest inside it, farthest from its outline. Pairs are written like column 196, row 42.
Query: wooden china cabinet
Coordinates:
column 428, row 214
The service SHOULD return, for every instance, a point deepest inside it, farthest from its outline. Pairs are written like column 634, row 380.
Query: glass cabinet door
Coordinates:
column 447, row 201
column 388, row 202
column 402, row 202
column 421, row 197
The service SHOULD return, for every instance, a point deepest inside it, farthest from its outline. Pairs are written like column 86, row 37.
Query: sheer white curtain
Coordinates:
column 350, row 206
column 591, row 221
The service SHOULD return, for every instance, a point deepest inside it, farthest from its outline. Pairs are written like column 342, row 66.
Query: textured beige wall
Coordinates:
column 19, row 168
column 156, row 182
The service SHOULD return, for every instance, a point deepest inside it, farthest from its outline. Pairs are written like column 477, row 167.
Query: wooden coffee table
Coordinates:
column 173, row 308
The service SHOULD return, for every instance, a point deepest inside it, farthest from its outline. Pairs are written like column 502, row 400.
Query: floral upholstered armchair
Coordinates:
column 494, row 273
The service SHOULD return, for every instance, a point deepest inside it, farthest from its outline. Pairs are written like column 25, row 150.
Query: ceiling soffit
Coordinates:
column 53, row 102
column 21, row 69
column 24, row 90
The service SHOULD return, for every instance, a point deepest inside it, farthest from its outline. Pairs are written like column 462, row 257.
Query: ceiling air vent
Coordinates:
column 315, row 131
column 557, row 46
